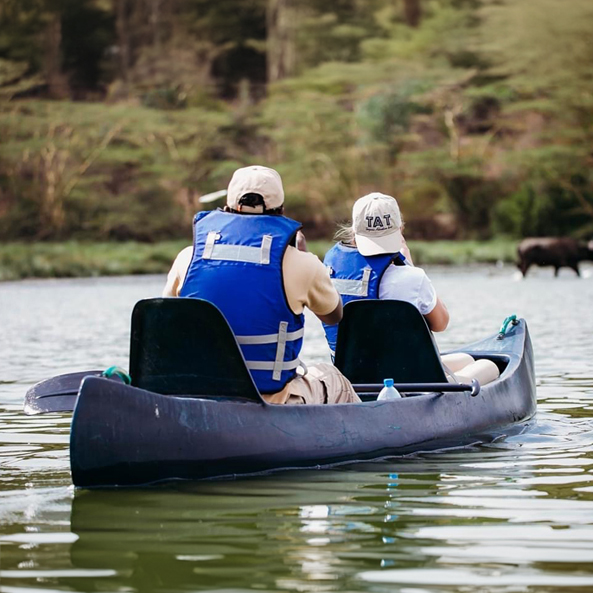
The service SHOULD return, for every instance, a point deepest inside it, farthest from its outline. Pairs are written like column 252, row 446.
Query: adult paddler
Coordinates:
column 244, row 260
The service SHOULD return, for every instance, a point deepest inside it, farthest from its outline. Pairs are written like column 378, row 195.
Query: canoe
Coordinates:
column 127, row 435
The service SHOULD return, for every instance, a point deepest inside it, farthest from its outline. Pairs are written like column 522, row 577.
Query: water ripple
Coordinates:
column 512, row 515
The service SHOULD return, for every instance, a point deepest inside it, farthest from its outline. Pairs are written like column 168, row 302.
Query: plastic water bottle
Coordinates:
column 389, row 391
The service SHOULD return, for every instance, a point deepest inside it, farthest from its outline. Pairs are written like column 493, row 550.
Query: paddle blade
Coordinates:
column 212, row 197
column 57, row 394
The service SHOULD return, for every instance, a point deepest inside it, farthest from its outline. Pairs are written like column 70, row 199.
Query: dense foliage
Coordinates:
column 115, row 115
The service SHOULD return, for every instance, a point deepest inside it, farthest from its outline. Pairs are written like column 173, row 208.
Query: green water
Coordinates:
column 513, row 515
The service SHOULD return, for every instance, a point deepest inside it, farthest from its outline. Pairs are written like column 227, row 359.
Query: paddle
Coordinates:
column 212, row 197
column 473, row 388
column 57, row 394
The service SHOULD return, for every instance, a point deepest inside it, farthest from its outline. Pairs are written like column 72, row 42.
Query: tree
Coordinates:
column 281, row 31
column 412, row 12
column 62, row 41
column 121, row 9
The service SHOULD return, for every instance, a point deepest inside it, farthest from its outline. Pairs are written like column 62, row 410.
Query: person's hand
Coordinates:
column 301, row 242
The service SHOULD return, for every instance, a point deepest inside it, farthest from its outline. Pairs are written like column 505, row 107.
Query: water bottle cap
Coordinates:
column 388, row 382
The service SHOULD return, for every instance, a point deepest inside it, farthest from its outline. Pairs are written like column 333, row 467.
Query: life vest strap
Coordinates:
column 281, row 338
column 280, row 350
column 270, row 338
column 359, row 288
column 237, row 253
column 259, row 365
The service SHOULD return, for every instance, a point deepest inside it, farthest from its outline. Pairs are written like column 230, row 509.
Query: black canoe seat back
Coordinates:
column 185, row 347
column 386, row 339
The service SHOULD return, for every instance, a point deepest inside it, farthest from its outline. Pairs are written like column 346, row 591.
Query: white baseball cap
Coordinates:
column 377, row 224
column 256, row 180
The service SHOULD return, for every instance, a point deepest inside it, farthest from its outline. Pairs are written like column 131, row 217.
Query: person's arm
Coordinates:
column 177, row 273
column 438, row 318
column 172, row 286
column 430, row 305
column 334, row 317
column 322, row 298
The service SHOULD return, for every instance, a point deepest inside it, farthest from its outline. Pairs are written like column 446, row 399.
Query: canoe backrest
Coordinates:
column 185, row 346
column 386, row 339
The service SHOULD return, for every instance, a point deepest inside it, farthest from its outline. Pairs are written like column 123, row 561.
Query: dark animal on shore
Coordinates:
column 553, row 251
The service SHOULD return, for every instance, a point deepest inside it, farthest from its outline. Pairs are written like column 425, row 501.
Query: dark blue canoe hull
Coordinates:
column 124, row 436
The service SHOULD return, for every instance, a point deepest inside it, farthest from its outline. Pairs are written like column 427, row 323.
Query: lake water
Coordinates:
column 515, row 515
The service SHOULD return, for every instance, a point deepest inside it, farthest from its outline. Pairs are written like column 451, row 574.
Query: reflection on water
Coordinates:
column 512, row 515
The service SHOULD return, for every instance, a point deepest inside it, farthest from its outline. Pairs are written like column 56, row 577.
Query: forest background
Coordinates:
column 117, row 115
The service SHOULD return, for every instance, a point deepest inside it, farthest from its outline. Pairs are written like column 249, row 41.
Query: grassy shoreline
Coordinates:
column 74, row 259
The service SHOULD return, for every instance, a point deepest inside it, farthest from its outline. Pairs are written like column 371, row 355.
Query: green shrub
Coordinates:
column 387, row 115
column 542, row 209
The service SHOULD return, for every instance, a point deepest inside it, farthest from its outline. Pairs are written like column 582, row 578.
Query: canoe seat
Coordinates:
column 184, row 346
column 387, row 339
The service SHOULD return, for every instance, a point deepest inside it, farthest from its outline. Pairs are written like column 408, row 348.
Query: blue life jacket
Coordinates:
column 355, row 277
column 237, row 265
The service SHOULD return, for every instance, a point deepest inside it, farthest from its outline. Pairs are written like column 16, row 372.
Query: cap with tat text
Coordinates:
column 256, row 180
column 377, row 224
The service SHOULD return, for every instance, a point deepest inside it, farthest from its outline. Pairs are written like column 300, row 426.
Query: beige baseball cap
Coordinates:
column 377, row 224
column 256, row 180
